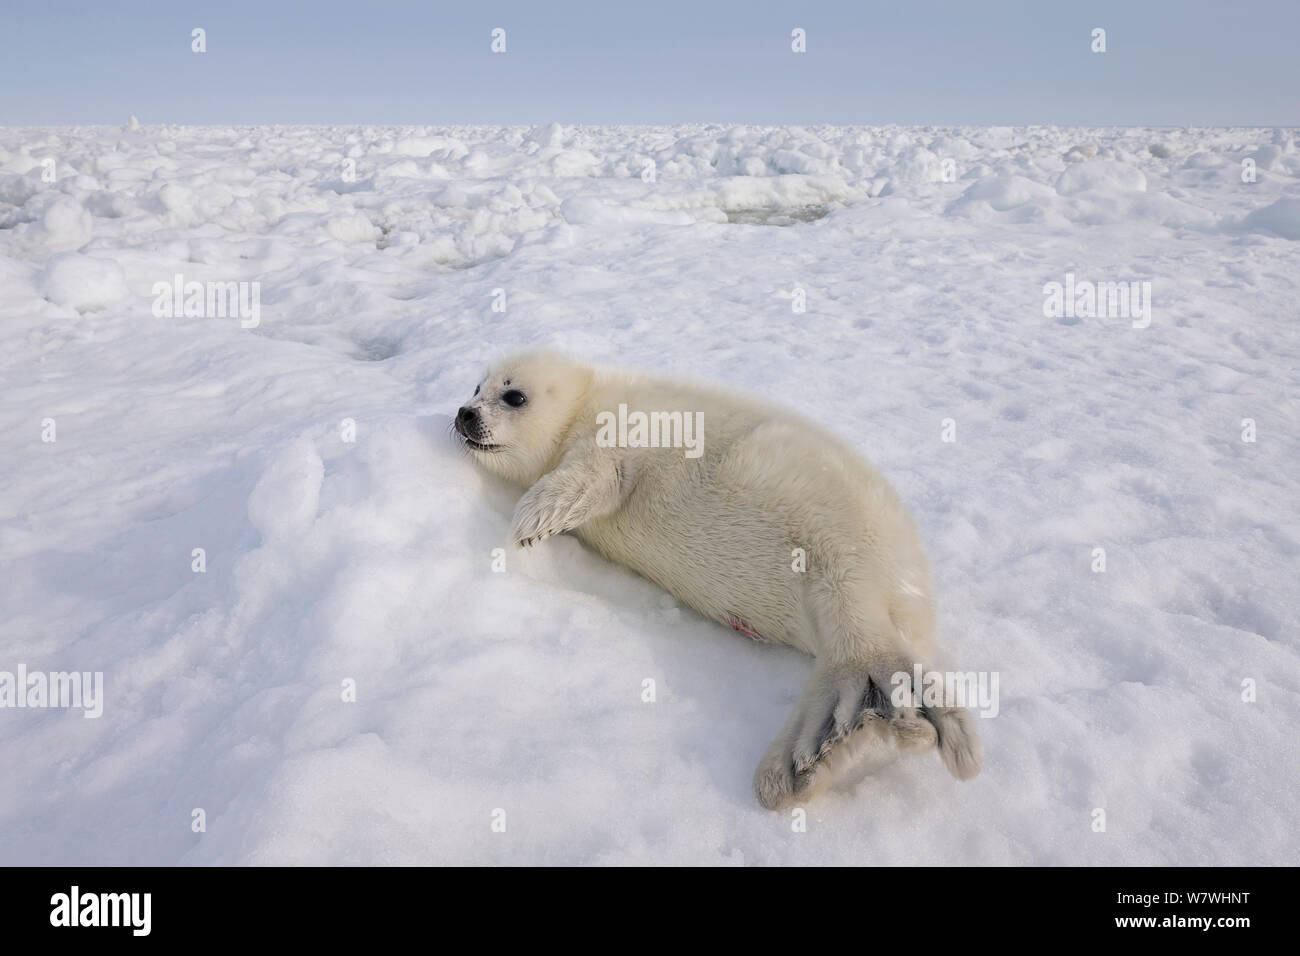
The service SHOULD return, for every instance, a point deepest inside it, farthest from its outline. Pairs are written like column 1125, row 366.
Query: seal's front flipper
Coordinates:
column 583, row 486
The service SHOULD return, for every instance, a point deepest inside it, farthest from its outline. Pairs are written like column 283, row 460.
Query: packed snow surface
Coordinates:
column 347, row 545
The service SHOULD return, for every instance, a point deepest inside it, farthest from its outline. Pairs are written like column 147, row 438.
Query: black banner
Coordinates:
column 333, row 906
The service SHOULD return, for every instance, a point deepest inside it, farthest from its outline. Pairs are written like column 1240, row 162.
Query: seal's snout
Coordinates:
column 469, row 422
column 472, row 427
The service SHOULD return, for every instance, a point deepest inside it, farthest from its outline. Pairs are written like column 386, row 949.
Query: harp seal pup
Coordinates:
column 718, row 526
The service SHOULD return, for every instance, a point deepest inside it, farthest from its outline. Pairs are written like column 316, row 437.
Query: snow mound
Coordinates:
column 84, row 283
column 1281, row 218
column 1003, row 193
column 352, row 228
column 1101, row 176
column 67, row 224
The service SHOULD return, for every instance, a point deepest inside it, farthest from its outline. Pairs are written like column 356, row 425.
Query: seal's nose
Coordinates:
column 467, row 416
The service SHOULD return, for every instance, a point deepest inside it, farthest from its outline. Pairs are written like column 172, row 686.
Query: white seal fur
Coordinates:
column 719, row 529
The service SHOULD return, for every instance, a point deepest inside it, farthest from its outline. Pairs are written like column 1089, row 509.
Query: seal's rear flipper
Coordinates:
column 843, row 722
column 959, row 745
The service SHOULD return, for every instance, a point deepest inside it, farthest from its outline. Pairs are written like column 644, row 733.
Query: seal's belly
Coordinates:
column 744, row 580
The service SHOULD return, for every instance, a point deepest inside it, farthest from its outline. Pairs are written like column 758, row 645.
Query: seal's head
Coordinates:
column 520, row 413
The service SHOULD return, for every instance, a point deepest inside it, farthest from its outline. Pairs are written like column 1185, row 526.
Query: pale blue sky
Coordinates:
column 428, row 62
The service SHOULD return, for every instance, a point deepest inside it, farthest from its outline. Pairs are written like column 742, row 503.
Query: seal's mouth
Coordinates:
column 474, row 444
column 478, row 445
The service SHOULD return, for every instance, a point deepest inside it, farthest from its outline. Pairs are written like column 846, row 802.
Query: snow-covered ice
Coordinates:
column 379, row 254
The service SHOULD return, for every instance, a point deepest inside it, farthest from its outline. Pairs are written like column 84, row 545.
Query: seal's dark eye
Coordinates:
column 476, row 389
column 514, row 398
